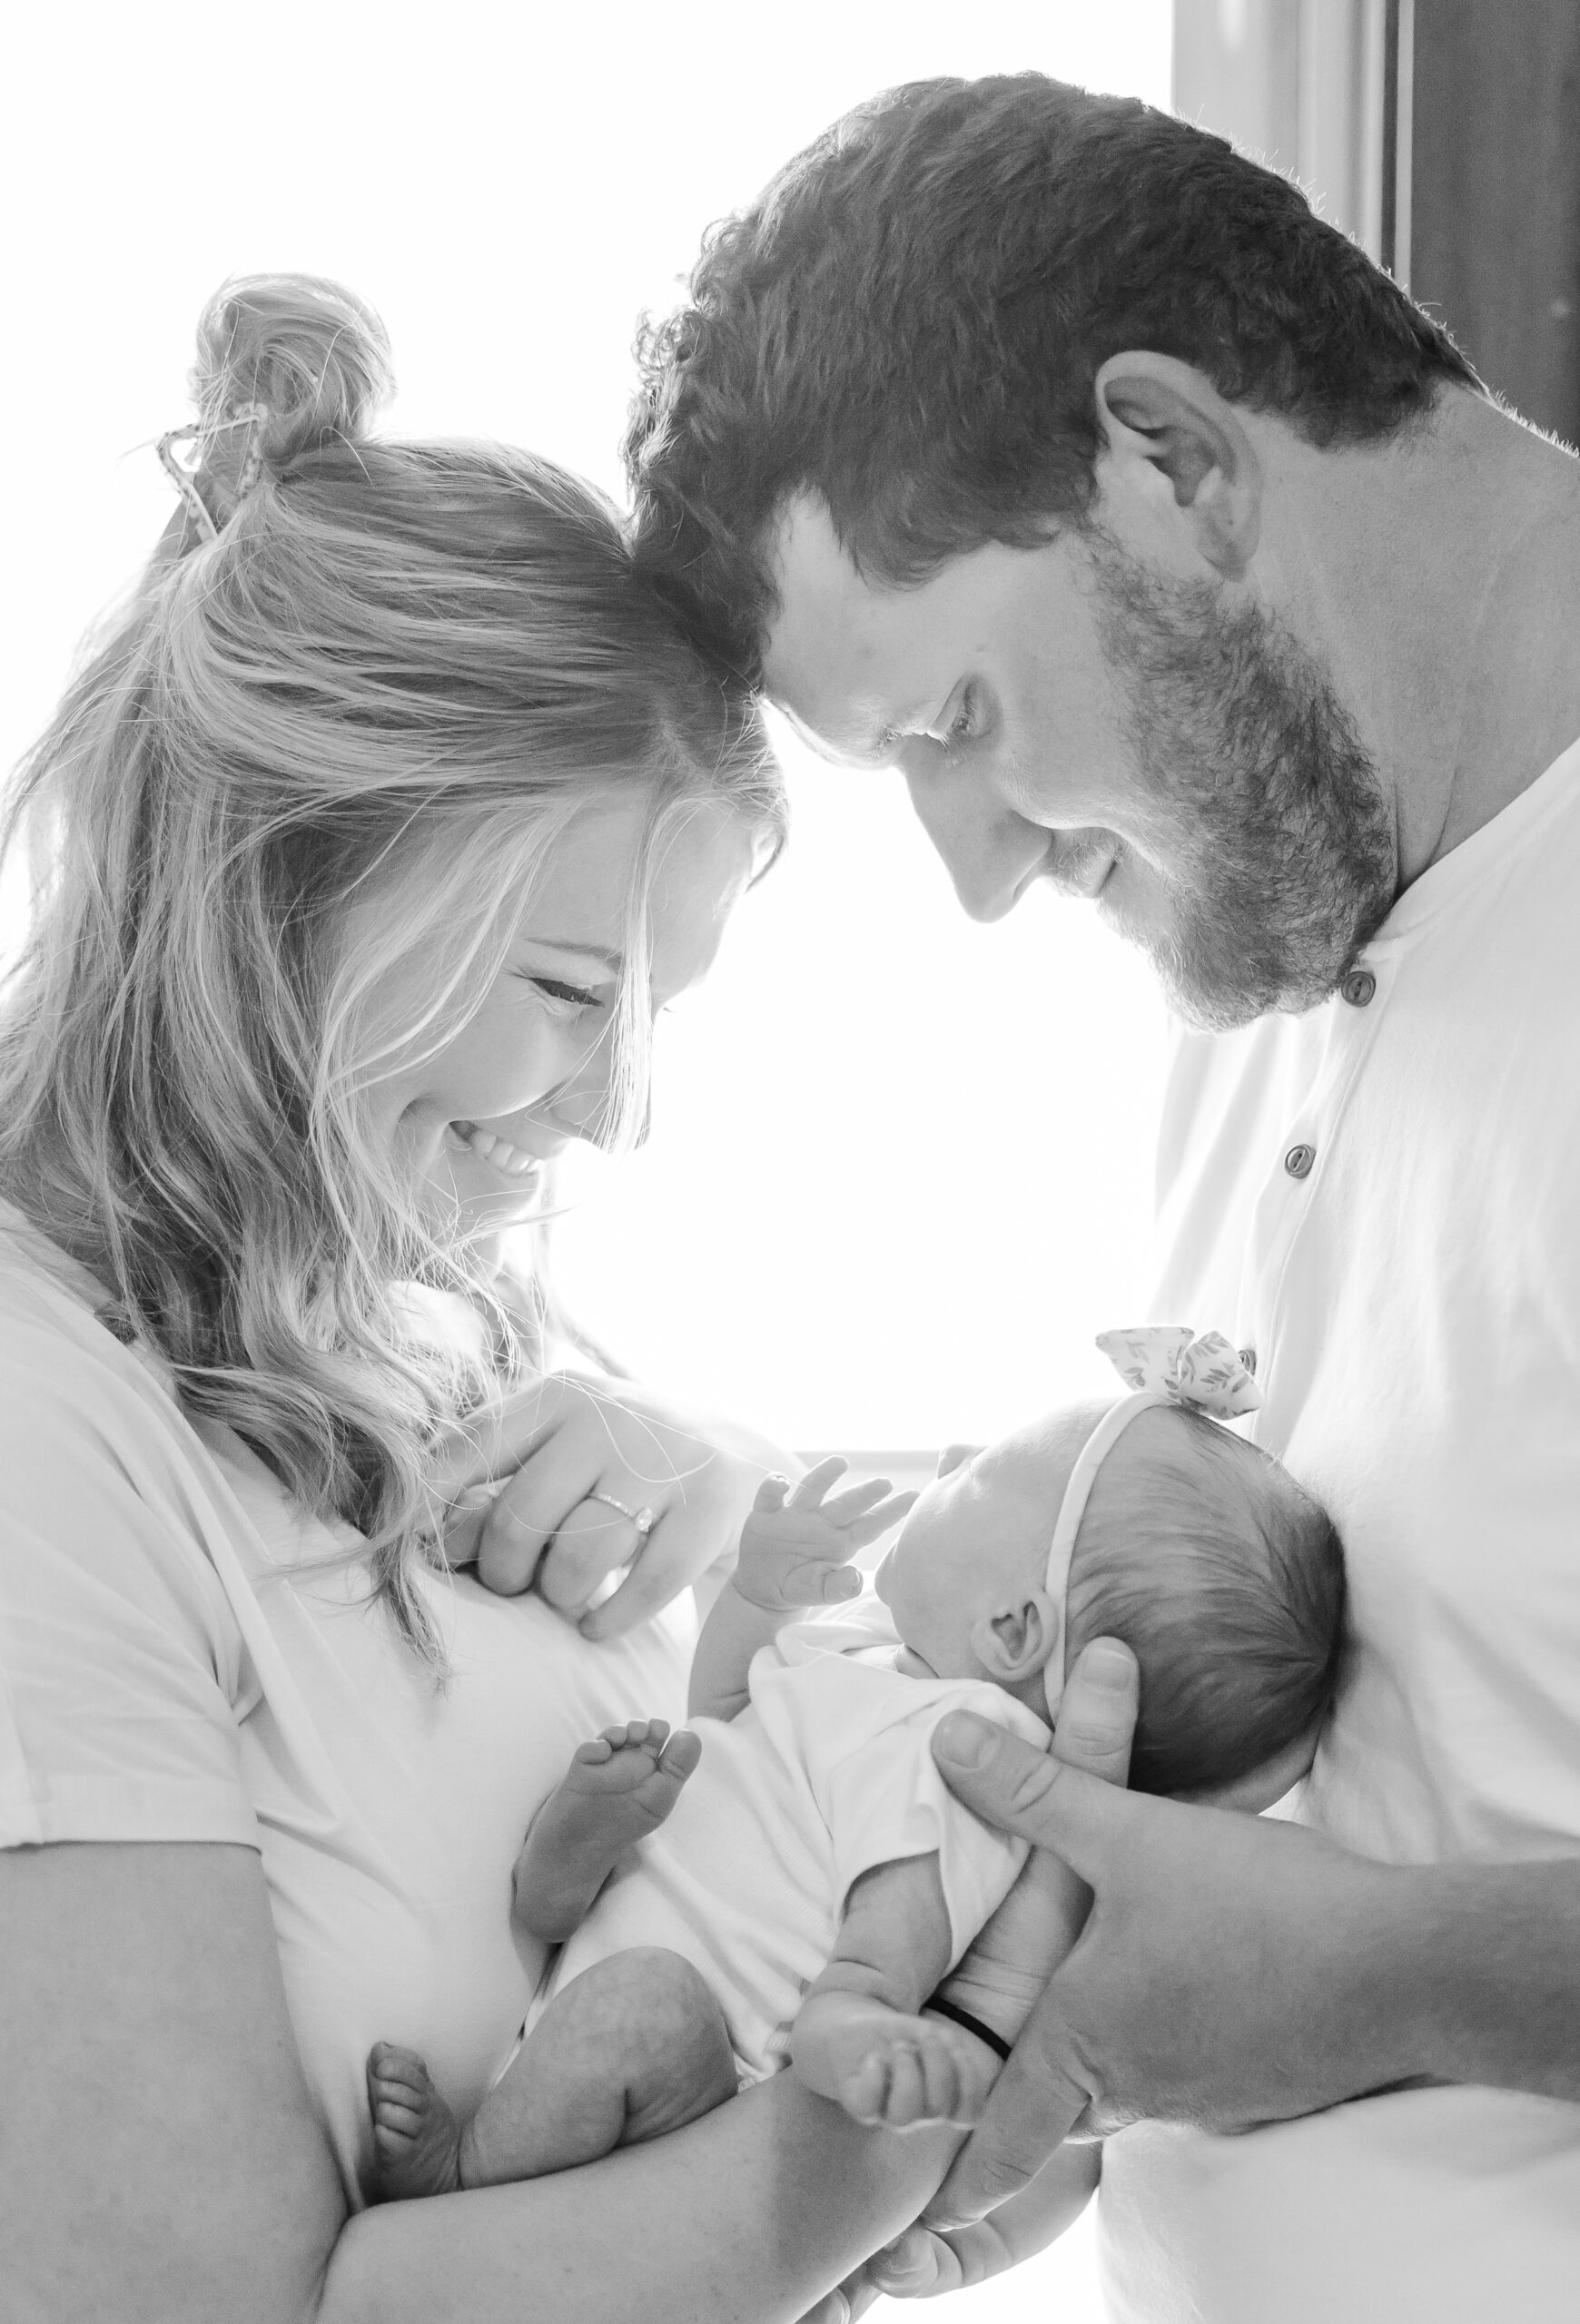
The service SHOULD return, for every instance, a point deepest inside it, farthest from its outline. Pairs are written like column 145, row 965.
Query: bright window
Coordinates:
column 900, row 1170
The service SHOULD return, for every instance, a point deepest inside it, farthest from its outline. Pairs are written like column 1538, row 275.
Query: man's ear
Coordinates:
column 1264, row 1784
column 1016, row 1640
column 1168, row 416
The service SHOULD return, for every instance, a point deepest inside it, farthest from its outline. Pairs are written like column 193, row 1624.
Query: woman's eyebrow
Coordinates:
column 612, row 961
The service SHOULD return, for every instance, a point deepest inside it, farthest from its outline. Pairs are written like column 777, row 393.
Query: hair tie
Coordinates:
column 1162, row 1364
column 254, row 416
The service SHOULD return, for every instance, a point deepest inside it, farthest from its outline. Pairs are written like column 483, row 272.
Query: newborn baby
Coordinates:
column 804, row 1896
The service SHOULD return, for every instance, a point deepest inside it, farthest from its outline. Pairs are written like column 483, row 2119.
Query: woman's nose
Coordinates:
column 587, row 1102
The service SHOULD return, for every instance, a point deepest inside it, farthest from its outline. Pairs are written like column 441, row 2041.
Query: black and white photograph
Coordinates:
column 789, row 1206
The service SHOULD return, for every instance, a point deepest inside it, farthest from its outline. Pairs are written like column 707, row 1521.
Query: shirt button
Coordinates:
column 1359, row 987
column 1298, row 1161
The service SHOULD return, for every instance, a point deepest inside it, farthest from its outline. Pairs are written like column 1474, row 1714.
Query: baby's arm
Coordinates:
column 859, row 2037
column 794, row 1554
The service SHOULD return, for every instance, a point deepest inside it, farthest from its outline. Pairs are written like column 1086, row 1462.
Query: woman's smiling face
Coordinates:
column 532, row 1069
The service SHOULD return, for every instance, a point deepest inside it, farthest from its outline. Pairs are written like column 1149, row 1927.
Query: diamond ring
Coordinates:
column 643, row 1519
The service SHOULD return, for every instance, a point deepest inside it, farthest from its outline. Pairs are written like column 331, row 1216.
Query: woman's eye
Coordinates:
column 567, row 996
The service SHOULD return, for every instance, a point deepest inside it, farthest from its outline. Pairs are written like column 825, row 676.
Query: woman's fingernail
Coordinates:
column 964, row 1740
column 1108, row 1666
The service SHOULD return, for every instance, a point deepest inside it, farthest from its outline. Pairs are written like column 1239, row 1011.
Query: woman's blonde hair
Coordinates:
column 355, row 674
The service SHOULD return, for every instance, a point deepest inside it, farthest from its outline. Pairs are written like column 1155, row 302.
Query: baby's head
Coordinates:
column 1196, row 1549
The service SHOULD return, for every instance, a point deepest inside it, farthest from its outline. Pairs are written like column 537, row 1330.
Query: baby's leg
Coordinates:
column 635, row 2046
column 617, row 1790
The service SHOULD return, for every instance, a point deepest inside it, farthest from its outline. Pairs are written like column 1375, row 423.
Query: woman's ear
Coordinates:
column 1163, row 419
column 1015, row 1642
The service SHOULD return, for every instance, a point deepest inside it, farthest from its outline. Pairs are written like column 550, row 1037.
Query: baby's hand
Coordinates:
column 885, row 2068
column 794, row 1545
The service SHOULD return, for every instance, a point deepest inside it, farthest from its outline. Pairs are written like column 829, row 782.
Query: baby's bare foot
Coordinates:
column 884, row 2067
column 623, row 1784
column 415, row 2135
column 618, row 1789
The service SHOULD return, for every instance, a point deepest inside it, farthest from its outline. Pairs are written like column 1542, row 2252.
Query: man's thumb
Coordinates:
column 1020, row 1789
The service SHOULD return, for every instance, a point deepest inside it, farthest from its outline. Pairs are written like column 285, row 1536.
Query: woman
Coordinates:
column 365, row 844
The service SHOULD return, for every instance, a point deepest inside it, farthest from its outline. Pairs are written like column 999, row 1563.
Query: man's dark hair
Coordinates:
column 910, row 318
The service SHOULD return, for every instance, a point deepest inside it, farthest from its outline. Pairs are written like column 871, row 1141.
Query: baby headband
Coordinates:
column 1163, row 1363
column 254, row 416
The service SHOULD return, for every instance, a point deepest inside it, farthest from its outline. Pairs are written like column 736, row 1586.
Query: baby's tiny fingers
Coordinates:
column 816, row 1481
column 877, row 1521
column 853, row 1501
column 771, row 1496
column 840, row 1582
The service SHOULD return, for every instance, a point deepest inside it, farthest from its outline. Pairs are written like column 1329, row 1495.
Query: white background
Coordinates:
column 900, row 1170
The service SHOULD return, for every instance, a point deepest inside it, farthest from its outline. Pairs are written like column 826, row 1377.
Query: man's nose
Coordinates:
column 987, row 849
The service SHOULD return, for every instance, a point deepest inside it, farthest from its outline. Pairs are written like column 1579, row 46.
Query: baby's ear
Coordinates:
column 1017, row 1639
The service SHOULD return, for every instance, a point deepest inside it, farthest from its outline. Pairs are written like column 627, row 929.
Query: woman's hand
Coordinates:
column 926, row 2261
column 569, row 1437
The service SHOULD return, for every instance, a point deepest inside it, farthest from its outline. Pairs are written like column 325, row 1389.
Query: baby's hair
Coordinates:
column 1226, row 1580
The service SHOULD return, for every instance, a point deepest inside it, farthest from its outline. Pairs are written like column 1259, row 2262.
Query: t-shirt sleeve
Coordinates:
column 120, row 1658
column 871, row 1765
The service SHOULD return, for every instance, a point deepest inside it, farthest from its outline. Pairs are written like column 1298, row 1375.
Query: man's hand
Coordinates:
column 568, row 1437
column 1232, row 1971
column 1000, row 1979
column 796, row 1544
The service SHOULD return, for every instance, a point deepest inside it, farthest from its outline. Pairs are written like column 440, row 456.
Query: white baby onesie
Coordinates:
column 825, row 1774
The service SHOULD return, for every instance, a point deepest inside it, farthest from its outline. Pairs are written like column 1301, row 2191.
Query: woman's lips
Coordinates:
column 511, row 1162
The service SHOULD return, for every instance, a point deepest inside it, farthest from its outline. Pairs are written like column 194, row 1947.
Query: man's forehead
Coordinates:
column 847, row 658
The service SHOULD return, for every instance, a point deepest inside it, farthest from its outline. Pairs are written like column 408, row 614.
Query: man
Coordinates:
column 1039, row 445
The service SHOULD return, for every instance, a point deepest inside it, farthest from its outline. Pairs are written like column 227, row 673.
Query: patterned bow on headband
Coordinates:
column 1168, row 1361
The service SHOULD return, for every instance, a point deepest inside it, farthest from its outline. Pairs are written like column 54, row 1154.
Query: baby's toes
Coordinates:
column 398, row 2089
column 905, row 2101
column 864, row 2094
column 680, row 1755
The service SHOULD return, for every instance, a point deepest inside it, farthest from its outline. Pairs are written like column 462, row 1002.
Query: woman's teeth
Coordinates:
column 494, row 1150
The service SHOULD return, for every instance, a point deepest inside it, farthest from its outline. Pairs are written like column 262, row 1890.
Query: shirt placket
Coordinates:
column 1298, row 1156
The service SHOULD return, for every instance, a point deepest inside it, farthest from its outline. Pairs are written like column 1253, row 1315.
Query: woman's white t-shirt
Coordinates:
column 164, row 1675
column 1383, row 1199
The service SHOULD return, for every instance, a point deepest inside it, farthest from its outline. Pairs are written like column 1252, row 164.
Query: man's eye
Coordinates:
column 964, row 724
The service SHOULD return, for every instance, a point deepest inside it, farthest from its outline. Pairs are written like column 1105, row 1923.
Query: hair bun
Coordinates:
column 314, row 354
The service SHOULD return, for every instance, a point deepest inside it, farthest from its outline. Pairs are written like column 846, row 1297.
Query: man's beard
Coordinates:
column 1280, row 854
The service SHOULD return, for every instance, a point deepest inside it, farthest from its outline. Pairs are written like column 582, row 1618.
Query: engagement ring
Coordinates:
column 643, row 1519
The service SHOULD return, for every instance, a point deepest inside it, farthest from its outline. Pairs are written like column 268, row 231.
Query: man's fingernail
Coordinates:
column 1108, row 1666
column 963, row 1740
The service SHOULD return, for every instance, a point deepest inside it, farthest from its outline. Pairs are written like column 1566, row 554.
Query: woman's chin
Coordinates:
column 492, row 1208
